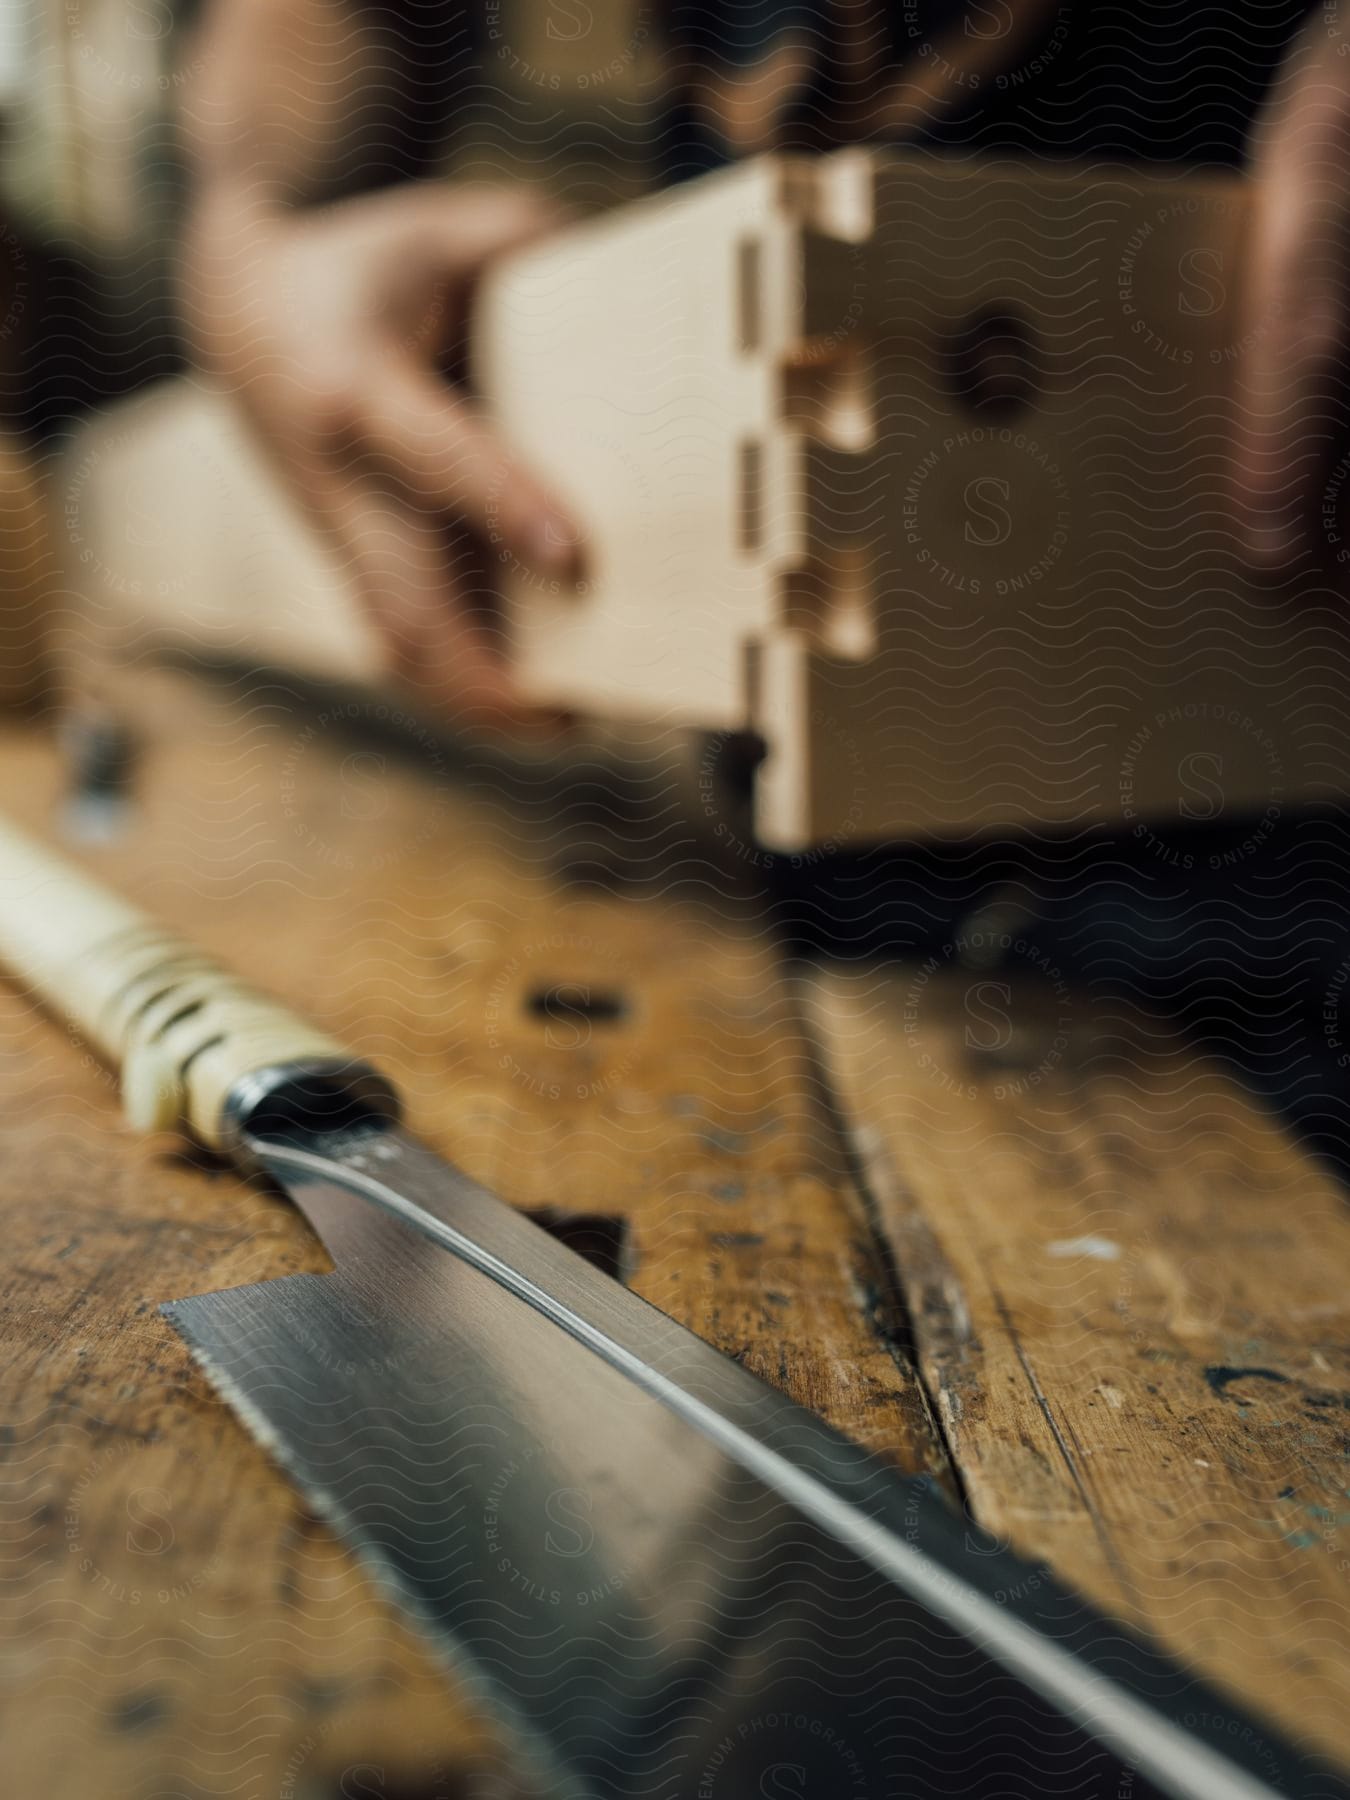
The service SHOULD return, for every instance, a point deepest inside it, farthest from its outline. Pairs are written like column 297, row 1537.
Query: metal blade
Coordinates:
column 665, row 1578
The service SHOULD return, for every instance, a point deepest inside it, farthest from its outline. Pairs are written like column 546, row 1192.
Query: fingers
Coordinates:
column 465, row 227
column 438, row 449
column 426, row 433
column 423, row 590
column 1296, row 315
column 358, row 304
column 417, row 587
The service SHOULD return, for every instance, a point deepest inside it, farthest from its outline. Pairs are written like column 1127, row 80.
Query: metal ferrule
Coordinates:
column 307, row 1094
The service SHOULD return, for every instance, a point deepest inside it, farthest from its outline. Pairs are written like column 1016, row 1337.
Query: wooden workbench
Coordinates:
column 1063, row 1266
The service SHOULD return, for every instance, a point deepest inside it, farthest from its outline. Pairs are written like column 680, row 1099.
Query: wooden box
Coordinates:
column 918, row 469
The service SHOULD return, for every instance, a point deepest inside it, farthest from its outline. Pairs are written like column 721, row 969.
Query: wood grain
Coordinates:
column 1124, row 1284
column 1129, row 1301
column 27, row 572
column 177, row 1622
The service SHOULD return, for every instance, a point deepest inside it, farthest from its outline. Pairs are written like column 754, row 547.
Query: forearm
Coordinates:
column 288, row 99
column 284, row 92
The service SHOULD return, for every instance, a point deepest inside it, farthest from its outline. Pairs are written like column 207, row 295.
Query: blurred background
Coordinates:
column 594, row 101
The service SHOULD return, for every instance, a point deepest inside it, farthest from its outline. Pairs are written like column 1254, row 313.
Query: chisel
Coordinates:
column 660, row 1576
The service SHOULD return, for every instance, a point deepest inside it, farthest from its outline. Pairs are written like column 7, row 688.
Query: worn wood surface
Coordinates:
column 176, row 1623
column 1129, row 1301
column 1124, row 1284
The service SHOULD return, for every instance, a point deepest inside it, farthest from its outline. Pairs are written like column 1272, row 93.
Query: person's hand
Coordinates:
column 1289, row 389
column 338, row 330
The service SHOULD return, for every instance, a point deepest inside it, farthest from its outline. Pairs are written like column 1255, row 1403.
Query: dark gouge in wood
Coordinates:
column 661, row 1576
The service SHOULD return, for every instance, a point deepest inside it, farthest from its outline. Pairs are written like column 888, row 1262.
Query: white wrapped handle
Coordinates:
column 183, row 1034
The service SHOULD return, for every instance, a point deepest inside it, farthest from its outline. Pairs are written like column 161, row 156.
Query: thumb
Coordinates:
column 464, row 226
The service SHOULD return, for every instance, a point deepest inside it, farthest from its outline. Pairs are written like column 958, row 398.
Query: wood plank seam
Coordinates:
column 898, row 1324
column 1104, row 1268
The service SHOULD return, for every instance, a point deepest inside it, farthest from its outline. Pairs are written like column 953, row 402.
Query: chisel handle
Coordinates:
column 195, row 1047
